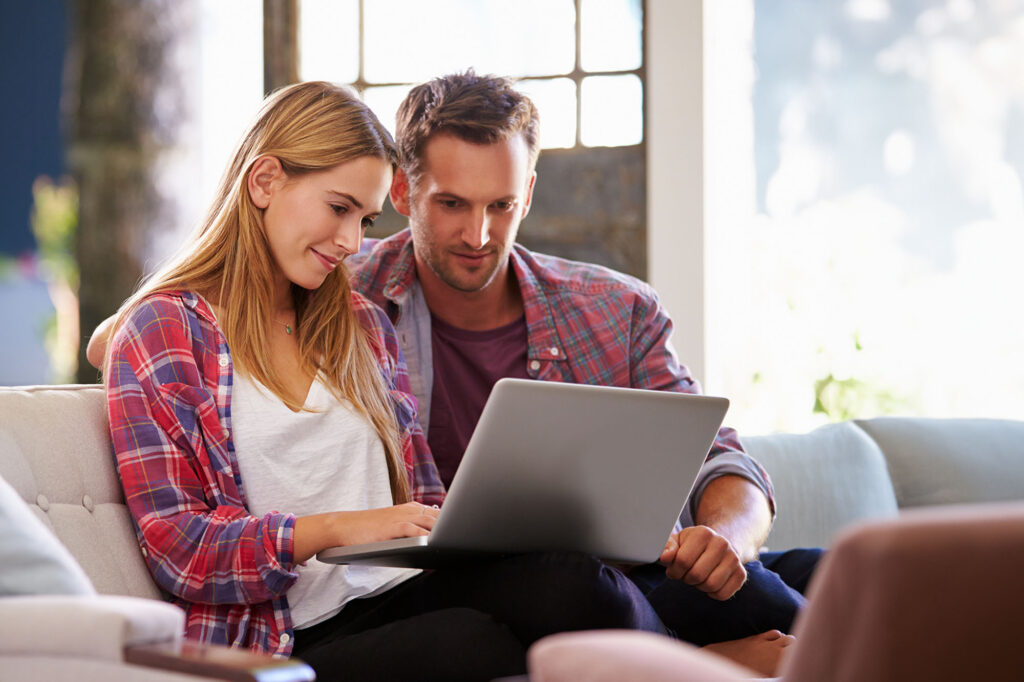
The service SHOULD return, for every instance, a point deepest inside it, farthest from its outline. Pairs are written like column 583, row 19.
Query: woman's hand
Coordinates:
column 333, row 529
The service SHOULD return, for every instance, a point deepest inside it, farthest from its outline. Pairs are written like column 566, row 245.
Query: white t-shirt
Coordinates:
column 305, row 463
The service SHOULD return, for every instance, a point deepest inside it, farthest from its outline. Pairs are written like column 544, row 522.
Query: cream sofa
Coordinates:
column 110, row 622
column 55, row 452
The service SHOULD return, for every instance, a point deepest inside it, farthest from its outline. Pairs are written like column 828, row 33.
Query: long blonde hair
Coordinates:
column 309, row 127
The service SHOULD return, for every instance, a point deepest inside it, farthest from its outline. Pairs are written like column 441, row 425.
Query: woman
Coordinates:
column 260, row 412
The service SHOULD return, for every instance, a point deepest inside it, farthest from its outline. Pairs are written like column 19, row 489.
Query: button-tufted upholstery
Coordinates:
column 55, row 452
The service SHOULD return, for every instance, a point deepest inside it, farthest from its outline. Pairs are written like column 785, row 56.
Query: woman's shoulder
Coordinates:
column 169, row 314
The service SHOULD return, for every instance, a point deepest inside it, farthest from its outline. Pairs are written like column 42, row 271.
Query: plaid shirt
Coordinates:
column 169, row 402
column 585, row 324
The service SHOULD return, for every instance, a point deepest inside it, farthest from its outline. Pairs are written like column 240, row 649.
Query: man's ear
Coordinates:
column 400, row 192
column 265, row 176
column 528, row 200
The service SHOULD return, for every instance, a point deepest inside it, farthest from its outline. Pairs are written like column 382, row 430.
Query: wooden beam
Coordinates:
column 280, row 44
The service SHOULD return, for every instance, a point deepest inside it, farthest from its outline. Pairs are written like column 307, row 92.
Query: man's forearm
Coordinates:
column 735, row 508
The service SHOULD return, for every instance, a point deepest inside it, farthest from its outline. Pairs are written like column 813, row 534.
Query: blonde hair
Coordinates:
column 309, row 127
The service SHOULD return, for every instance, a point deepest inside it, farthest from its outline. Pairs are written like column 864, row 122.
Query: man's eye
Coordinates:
column 450, row 203
column 504, row 205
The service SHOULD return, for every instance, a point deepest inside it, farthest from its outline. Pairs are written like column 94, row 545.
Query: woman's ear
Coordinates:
column 265, row 177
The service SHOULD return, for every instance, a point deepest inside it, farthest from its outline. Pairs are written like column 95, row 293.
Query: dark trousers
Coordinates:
column 473, row 622
column 769, row 599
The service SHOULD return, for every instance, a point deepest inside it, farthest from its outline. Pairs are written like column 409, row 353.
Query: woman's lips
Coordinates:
column 326, row 261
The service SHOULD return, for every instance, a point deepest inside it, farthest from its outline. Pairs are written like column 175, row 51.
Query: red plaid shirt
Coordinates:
column 585, row 324
column 169, row 402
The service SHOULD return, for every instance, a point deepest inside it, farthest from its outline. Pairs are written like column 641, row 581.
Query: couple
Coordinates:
column 262, row 410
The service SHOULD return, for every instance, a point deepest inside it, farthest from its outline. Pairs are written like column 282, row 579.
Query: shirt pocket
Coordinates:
column 194, row 424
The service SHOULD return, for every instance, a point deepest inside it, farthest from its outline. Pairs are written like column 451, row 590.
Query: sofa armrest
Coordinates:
column 95, row 627
column 141, row 632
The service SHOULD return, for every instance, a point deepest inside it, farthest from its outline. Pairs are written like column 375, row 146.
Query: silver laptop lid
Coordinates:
column 594, row 469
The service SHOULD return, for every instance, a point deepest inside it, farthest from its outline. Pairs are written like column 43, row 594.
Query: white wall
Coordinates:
column 675, row 169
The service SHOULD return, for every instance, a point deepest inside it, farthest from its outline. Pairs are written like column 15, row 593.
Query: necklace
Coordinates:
column 287, row 327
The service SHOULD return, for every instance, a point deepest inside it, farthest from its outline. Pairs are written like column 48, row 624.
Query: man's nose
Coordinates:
column 477, row 233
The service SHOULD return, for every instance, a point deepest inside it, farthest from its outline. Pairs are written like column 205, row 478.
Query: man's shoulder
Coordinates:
column 562, row 276
column 377, row 256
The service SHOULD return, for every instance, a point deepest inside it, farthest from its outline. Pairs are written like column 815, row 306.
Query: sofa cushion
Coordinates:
column 824, row 480
column 55, row 452
column 951, row 461
column 32, row 560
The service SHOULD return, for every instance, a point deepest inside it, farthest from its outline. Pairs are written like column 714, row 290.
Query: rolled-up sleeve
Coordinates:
column 655, row 366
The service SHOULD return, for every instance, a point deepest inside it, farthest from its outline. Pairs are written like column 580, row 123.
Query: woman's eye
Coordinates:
column 339, row 209
column 368, row 223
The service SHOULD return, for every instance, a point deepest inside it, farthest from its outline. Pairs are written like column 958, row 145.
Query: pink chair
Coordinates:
column 934, row 595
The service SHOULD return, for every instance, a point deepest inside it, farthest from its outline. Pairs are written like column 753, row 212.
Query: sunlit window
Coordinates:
column 580, row 61
column 866, row 212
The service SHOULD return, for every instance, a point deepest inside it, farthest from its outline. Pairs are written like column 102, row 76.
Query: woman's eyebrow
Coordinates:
column 346, row 195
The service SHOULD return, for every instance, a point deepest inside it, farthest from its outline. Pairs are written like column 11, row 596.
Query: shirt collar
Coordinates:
column 542, row 336
column 403, row 272
column 542, row 332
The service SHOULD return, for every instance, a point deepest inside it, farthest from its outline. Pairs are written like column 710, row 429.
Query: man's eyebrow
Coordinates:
column 453, row 195
column 345, row 195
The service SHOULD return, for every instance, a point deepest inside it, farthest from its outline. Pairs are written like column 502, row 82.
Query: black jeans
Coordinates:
column 769, row 600
column 473, row 622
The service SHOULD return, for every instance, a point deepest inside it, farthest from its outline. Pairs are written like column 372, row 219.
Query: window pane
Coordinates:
column 610, row 33
column 555, row 100
column 231, row 83
column 867, row 208
column 384, row 102
column 413, row 41
column 329, row 40
column 611, row 111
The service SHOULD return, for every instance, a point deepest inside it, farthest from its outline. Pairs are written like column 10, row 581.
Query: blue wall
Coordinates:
column 33, row 36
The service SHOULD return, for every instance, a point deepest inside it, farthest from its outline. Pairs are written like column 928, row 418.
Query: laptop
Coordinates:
column 554, row 466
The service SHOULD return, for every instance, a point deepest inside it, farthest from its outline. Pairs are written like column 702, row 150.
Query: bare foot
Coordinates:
column 762, row 652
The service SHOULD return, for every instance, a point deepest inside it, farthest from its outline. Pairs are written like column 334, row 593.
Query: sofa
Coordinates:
column 66, row 532
column 55, row 453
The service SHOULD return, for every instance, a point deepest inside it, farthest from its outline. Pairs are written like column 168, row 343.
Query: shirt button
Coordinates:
column 87, row 503
column 554, row 351
column 535, row 365
column 285, row 638
column 42, row 502
column 223, row 361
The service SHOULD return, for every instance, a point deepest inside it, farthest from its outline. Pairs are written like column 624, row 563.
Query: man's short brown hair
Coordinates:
column 477, row 109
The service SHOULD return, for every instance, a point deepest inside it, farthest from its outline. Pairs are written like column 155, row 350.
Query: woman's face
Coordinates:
column 313, row 221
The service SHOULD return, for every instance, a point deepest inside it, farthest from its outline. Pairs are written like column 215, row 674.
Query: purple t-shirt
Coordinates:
column 466, row 366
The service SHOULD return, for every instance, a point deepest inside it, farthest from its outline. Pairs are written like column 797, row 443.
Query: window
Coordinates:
column 866, row 210
column 581, row 62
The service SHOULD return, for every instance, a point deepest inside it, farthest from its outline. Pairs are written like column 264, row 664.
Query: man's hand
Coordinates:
column 701, row 557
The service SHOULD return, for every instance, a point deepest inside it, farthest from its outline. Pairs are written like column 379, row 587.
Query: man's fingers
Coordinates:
column 668, row 554
column 731, row 586
column 715, row 553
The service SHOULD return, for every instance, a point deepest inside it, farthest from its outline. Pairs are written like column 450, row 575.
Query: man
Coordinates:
column 471, row 306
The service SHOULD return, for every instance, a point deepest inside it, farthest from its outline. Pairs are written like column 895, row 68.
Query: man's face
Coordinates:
column 465, row 209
